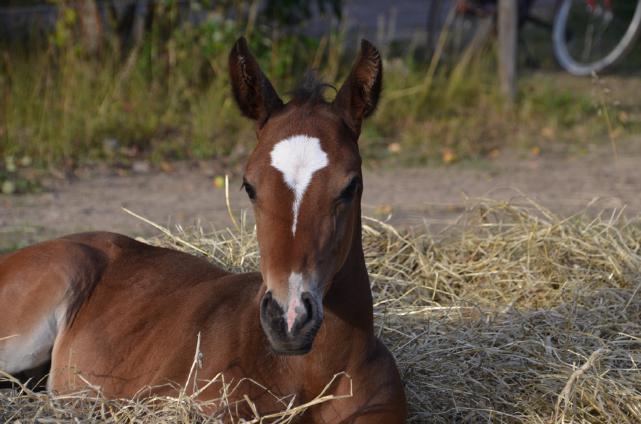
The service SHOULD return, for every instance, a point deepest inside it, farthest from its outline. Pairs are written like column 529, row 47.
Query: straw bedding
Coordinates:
column 511, row 315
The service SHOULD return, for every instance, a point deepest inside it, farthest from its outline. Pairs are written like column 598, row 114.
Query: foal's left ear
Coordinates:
column 254, row 94
column 358, row 97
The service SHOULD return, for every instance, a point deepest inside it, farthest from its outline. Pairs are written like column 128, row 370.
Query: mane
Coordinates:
column 310, row 89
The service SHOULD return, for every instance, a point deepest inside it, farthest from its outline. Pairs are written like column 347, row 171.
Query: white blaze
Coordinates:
column 294, row 305
column 298, row 157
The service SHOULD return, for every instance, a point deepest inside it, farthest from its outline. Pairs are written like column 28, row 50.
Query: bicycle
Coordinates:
column 591, row 36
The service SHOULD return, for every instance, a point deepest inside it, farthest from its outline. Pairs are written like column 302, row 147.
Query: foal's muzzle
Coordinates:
column 298, row 339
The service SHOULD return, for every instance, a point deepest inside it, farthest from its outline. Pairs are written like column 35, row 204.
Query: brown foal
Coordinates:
column 122, row 315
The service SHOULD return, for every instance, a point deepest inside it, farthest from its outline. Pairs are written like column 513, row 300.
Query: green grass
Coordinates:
column 170, row 99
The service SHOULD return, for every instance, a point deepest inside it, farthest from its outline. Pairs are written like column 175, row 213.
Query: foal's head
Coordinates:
column 304, row 180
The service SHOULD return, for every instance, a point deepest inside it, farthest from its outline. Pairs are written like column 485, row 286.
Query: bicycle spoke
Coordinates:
column 587, row 43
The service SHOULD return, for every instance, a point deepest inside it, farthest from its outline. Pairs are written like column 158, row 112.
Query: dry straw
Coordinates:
column 511, row 315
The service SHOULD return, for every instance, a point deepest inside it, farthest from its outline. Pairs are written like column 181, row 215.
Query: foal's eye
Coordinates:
column 348, row 192
column 249, row 189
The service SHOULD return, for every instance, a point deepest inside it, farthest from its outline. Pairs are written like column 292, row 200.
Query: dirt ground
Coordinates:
column 431, row 196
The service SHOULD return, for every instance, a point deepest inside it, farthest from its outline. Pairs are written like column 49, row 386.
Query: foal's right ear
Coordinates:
column 253, row 92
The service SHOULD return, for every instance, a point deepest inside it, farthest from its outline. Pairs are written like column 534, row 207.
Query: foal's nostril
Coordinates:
column 271, row 314
column 308, row 302
column 266, row 299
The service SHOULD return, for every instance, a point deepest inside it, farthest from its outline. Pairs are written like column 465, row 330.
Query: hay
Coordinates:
column 511, row 315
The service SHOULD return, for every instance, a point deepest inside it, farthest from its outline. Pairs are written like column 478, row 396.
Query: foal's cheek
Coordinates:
column 341, row 238
column 346, row 222
column 341, row 219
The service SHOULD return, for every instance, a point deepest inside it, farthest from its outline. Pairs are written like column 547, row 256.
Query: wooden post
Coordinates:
column 508, row 29
column 138, row 25
column 90, row 26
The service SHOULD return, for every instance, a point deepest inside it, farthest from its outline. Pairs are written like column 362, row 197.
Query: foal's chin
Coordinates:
column 286, row 344
column 291, row 351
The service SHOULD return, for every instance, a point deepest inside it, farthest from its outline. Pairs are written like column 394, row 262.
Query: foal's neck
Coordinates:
column 350, row 297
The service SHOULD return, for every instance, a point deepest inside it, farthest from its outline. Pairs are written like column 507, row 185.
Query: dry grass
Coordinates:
column 512, row 315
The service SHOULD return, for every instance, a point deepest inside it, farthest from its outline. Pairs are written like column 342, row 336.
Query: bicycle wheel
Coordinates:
column 593, row 35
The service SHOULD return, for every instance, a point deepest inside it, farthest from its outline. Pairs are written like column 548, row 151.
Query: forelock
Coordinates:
column 311, row 89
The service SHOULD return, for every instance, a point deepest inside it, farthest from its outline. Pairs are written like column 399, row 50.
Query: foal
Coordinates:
column 121, row 315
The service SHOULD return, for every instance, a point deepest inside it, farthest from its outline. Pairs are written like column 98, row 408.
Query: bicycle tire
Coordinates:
column 578, row 68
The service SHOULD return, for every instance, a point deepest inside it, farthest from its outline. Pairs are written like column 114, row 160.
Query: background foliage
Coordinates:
column 167, row 97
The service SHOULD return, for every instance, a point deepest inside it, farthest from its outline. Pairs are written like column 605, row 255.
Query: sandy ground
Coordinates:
column 432, row 196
